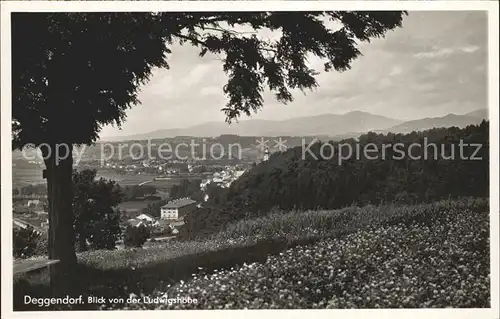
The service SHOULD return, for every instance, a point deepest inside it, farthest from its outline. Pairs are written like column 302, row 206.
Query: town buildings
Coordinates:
column 222, row 179
column 39, row 226
column 176, row 209
column 148, row 220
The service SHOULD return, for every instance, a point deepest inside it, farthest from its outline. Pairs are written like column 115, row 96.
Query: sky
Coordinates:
column 434, row 65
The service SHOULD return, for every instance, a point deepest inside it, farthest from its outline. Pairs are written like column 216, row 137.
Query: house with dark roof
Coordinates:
column 37, row 226
column 135, row 222
column 148, row 220
column 178, row 208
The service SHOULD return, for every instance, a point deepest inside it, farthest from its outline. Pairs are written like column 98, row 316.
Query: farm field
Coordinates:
column 165, row 183
column 23, row 175
column 137, row 179
column 134, row 206
column 427, row 255
column 26, row 176
column 125, row 180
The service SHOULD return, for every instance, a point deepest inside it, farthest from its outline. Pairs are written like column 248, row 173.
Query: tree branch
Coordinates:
column 204, row 43
column 228, row 31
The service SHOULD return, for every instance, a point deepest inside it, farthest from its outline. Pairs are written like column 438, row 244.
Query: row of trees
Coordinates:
column 289, row 181
column 187, row 188
column 30, row 190
column 135, row 192
column 130, row 192
column 97, row 221
column 27, row 242
column 154, row 208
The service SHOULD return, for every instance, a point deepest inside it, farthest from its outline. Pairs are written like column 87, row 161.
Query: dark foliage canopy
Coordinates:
column 24, row 242
column 96, row 219
column 136, row 236
column 73, row 73
column 154, row 208
column 134, row 192
column 187, row 188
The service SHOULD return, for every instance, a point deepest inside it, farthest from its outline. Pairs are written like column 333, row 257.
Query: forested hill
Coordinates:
column 289, row 181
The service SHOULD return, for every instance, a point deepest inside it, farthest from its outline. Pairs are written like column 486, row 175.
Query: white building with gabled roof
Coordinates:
column 176, row 209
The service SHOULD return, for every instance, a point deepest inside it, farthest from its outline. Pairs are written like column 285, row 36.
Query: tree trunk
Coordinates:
column 82, row 239
column 61, row 234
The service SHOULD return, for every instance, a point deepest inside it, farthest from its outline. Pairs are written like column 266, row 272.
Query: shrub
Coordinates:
column 136, row 236
column 42, row 245
column 161, row 231
column 105, row 233
column 25, row 242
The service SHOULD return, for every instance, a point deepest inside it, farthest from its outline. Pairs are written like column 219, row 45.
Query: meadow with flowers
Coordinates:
column 420, row 256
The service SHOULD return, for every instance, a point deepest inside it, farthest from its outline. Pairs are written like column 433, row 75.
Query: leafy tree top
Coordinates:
column 74, row 73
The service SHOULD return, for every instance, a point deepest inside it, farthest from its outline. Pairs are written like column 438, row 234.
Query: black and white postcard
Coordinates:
column 298, row 158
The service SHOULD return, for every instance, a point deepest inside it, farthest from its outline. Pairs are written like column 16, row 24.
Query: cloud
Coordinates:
column 445, row 52
column 470, row 49
column 396, row 70
column 211, row 90
column 439, row 53
column 435, row 67
column 436, row 64
column 198, row 73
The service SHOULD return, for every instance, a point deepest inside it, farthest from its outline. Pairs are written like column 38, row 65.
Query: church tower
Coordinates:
column 266, row 155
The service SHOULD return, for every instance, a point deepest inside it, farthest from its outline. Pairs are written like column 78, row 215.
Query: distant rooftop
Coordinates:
column 134, row 222
column 178, row 203
column 147, row 215
column 35, row 224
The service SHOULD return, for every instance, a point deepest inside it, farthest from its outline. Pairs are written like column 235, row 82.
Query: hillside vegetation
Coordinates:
column 290, row 181
column 426, row 255
column 313, row 233
column 431, row 255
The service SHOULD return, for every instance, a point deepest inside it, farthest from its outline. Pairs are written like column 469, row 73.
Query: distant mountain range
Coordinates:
column 334, row 125
column 481, row 113
column 449, row 120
